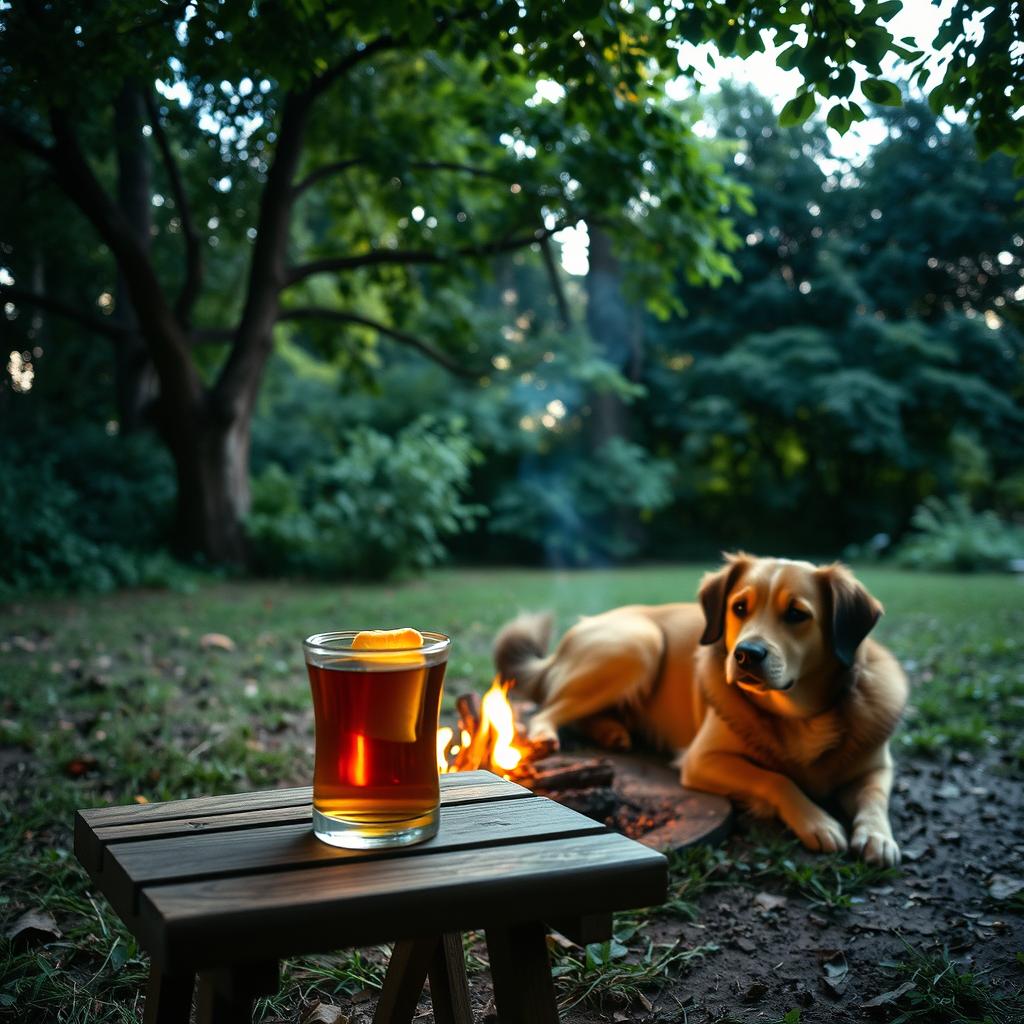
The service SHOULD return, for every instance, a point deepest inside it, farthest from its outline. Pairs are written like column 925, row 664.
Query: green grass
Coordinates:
column 935, row 989
column 618, row 972
column 769, row 857
column 112, row 699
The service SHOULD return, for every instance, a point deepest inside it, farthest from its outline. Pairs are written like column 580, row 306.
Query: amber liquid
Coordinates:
column 376, row 742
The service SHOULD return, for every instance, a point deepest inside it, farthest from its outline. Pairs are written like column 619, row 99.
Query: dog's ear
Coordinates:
column 852, row 610
column 714, row 592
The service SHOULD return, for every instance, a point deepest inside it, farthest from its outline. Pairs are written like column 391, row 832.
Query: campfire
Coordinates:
column 488, row 736
column 626, row 792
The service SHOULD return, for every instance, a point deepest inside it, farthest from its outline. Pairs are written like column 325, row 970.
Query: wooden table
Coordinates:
column 224, row 887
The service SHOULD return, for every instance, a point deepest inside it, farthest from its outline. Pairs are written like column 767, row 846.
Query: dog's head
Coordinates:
column 789, row 629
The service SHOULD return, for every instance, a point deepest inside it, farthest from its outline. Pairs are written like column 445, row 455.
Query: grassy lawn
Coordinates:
column 114, row 699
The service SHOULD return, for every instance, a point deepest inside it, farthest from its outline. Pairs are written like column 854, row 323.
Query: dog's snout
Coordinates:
column 750, row 655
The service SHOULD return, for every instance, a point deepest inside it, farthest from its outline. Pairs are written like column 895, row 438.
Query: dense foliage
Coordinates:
column 304, row 227
column 377, row 505
column 872, row 354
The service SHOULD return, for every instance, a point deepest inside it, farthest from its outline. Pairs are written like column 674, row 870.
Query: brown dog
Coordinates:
column 769, row 684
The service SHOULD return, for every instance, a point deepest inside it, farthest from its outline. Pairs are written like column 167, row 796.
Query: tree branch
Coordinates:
column 564, row 315
column 178, row 377
column 25, row 140
column 193, row 243
column 10, row 293
column 413, row 256
column 324, row 81
column 338, row 166
column 324, row 172
column 403, row 337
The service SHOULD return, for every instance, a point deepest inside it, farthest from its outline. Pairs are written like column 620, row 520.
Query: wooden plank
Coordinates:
column 90, row 838
column 583, row 929
column 292, row 912
column 521, row 972
column 196, row 807
column 226, row 995
column 403, row 984
column 168, row 999
column 132, row 866
column 449, row 986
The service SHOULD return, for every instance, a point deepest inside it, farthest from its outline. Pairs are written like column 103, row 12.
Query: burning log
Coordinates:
column 586, row 774
column 468, row 707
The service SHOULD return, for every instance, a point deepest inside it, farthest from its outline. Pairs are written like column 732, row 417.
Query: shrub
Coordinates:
column 386, row 504
column 950, row 535
column 71, row 520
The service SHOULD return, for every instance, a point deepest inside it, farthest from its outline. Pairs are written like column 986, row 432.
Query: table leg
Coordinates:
column 449, row 987
column 226, row 995
column 168, row 997
column 523, row 990
column 403, row 983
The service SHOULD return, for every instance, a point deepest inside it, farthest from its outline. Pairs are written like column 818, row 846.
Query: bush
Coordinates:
column 71, row 521
column 386, row 504
column 952, row 536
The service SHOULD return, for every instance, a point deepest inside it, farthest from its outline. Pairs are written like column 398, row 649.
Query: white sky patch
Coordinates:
column 575, row 243
column 546, row 91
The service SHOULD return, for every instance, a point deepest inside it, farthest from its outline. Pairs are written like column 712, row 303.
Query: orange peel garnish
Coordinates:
column 404, row 639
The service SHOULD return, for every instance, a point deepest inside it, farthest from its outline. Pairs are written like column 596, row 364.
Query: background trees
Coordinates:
column 353, row 196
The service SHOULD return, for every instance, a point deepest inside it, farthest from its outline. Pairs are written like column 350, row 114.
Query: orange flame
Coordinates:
column 493, row 745
column 496, row 712
column 444, row 737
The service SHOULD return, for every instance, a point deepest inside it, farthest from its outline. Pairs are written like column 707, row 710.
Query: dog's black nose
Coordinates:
column 749, row 654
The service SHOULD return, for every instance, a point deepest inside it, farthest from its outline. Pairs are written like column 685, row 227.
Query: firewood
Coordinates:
column 588, row 774
column 468, row 707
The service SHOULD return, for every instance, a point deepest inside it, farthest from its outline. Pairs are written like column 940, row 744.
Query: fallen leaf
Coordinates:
column 34, row 926
column 324, row 1013
column 915, row 852
column 1004, row 887
column 837, row 972
column 769, row 901
column 888, row 998
column 216, row 641
column 79, row 766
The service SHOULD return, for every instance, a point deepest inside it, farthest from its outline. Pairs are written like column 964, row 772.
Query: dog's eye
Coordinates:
column 739, row 609
column 794, row 615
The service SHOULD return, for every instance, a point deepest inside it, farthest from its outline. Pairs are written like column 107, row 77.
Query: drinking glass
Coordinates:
column 375, row 783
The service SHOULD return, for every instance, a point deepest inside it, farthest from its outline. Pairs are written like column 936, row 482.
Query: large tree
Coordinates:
column 338, row 163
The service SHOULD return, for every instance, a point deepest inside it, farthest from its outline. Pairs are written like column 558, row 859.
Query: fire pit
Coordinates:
column 637, row 794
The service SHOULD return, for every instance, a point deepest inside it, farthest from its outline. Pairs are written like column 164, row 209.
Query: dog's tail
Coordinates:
column 520, row 652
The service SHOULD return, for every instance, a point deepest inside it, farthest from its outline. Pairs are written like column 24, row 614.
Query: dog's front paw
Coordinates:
column 875, row 847
column 821, row 833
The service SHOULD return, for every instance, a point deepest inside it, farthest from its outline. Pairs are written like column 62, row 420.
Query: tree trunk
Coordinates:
column 211, row 459
column 135, row 382
column 615, row 327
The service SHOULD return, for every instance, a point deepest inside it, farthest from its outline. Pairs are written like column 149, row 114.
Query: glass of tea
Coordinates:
column 376, row 708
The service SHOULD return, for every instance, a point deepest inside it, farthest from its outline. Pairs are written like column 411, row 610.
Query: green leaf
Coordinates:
column 878, row 90
column 839, row 118
column 797, row 110
column 788, row 57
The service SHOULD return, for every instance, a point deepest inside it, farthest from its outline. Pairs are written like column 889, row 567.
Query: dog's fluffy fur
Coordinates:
column 770, row 684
